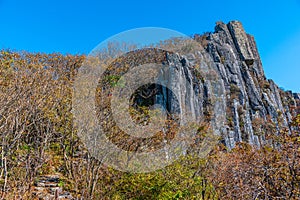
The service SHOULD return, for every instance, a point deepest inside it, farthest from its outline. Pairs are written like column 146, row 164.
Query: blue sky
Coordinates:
column 73, row 26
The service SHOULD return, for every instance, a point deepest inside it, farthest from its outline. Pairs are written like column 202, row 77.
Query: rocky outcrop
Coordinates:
column 251, row 97
column 47, row 187
column 256, row 106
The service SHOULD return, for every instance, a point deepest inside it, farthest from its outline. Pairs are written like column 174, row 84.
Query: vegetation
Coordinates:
column 37, row 137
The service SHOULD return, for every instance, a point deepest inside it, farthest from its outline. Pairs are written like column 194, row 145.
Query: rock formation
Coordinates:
column 47, row 187
column 256, row 106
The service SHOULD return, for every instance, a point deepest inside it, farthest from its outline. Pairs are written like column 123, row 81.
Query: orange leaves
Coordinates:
column 247, row 173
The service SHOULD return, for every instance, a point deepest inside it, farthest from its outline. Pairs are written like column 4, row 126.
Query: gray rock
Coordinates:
column 238, row 61
column 248, row 94
column 241, row 41
column 47, row 187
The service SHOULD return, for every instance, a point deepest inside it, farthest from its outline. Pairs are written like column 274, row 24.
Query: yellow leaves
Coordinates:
column 297, row 120
column 178, row 181
column 30, row 98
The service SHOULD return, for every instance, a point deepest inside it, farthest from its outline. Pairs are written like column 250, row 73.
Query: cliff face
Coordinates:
column 255, row 106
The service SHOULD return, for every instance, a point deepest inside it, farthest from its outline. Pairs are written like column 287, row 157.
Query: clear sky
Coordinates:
column 73, row 26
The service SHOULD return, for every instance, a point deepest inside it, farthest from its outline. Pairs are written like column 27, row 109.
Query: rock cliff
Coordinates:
column 255, row 106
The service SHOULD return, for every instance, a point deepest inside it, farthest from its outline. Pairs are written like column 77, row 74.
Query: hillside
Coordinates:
column 256, row 156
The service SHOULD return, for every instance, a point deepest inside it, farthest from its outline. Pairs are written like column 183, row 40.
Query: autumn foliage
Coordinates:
column 37, row 137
